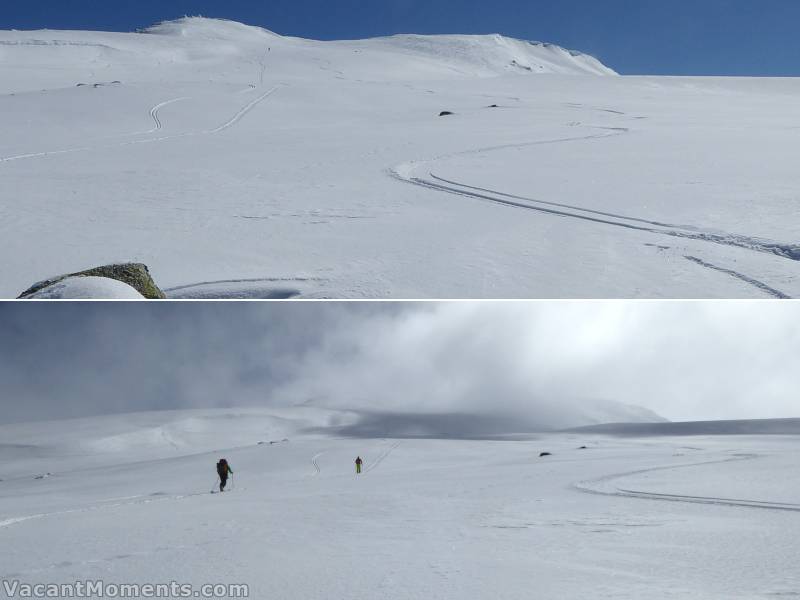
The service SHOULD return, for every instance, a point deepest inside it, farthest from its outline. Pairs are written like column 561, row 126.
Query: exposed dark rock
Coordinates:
column 135, row 275
column 445, row 113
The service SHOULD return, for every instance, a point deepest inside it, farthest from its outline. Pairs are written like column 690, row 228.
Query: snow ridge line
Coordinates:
column 594, row 486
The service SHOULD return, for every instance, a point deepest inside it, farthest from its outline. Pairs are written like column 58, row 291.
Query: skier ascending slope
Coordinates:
column 223, row 468
column 359, row 462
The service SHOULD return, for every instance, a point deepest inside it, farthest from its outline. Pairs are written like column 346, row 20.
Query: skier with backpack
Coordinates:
column 359, row 462
column 223, row 468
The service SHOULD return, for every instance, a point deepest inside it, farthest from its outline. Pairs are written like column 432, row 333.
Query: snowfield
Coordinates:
column 237, row 163
column 126, row 499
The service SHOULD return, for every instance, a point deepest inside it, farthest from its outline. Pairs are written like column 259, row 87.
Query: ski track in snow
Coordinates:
column 243, row 111
column 754, row 282
column 595, row 486
column 211, row 289
column 255, row 280
column 156, row 497
column 154, row 113
column 314, row 462
column 405, row 173
column 789, row 251
column 792, row 252
column 157, row 125
column 381, row 458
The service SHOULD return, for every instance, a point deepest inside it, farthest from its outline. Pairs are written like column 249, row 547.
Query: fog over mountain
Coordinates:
column 515, row 365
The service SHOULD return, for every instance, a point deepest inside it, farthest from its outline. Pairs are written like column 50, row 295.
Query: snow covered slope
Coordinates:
column 753, row 427
column 656, row 517
column 236, row 162
column 193, row 48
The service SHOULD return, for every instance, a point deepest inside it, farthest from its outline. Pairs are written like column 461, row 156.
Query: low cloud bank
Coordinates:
column 493, row 366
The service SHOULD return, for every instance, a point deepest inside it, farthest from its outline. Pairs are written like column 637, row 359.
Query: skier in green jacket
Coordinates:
column 359, row 462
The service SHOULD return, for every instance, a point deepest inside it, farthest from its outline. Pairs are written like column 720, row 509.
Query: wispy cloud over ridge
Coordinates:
column 549, row 363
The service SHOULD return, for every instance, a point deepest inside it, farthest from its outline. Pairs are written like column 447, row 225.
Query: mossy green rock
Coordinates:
column 135, row 275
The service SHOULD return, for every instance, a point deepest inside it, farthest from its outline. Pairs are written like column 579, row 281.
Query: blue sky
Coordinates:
column 681, row 37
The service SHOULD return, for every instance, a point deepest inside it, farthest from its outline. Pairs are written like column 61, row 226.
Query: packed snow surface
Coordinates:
column 127, row 499
column 236, row 162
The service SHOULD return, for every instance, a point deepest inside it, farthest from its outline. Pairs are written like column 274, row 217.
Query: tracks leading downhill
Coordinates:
column 158, row 127
column 431, row 181
column 600, row 487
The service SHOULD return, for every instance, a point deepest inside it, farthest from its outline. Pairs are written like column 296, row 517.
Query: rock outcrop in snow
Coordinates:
column 86, row 288
column 118, row 281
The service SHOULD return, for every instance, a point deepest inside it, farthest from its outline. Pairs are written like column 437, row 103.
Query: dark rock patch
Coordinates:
column 135, row 275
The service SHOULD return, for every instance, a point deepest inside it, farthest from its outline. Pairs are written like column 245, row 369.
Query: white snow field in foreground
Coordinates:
column 126, row 499
column 235, row 162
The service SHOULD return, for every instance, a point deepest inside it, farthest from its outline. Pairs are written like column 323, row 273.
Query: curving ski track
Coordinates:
column 315, row 464
column 186, row 291
column 788, row 251
column 154, row 114
column 405, row 173
column 157, row 125
column 597, row 486
column 157, row 497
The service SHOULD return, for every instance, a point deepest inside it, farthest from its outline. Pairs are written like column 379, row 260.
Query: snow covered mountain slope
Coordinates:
column 435, row 518
column 653, row 428
column 499, row 422
column 177, row 432
column 235, row 162
column 225, row 51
